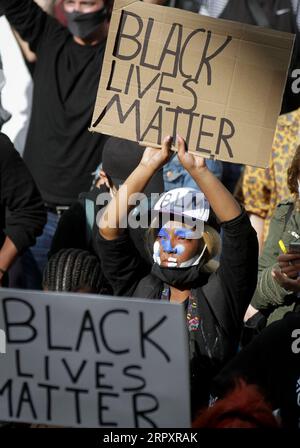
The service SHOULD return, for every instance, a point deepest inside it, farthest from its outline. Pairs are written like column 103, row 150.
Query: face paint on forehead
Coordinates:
column 185, row 233
column 163, row 233
column 166, row 243
column 180, row 231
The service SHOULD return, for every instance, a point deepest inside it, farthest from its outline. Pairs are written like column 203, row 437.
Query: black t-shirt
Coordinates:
column 272, row 361
column 22, row 214
column 60, row 151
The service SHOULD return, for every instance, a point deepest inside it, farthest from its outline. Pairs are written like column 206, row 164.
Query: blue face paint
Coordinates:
column 179, row 249
column 163, row 233
column 185, row 233
column 167, row 246
column 166, row 241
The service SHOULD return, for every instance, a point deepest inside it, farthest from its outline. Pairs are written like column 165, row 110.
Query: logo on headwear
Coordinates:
column 185, row 202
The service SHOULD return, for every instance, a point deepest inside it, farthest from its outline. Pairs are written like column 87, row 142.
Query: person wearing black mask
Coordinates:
column 181, row 249
column 84, row 19
column 60, row 152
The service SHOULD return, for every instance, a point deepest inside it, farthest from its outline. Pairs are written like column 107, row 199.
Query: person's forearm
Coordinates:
column 47, row 5
column 269, row 293
column 258, row 224
column 27, row 18
column 221, row 200
column 8, row 254
column 118, row 208
column 24, row 47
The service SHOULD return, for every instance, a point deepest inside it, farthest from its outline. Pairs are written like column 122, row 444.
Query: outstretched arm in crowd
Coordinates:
column 28, row 19
column 8, row 254
column 224, row 205
column 47, row 6
column 221, row 200
column 25, row 217
column 118, row 209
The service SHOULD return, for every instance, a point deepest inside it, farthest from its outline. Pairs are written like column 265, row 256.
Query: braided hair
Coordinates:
column 73, row 269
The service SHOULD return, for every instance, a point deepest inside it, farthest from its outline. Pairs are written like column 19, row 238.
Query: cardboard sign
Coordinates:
column 93, row 361
column 217, row 83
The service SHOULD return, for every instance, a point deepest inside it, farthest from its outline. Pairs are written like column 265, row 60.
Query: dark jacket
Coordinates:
column 22, row 211
column 221, row 301
column 271, row 361
column 269, row 297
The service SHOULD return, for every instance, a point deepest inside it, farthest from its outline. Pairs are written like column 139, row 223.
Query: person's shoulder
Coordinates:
column 281, row 329
column 291, row 320
column 55, row 35
column 283, row 208
column 5, row 141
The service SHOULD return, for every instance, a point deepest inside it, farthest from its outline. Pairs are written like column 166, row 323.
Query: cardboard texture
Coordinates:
column 217, row 83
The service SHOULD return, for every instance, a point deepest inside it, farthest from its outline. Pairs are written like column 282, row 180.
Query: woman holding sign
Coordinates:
column 215, row 303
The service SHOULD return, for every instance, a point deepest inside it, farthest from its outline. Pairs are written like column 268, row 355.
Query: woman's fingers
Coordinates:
column 288, row 283
column 166, row 147
column 285, row 258
column 181, row 145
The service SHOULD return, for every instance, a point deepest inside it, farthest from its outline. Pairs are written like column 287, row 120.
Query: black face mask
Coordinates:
column 82, row 25
column 183, row 278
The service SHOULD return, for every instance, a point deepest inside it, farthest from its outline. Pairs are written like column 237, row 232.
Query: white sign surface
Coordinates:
column 93, row 361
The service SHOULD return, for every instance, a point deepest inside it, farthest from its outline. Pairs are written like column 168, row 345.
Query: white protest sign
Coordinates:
column 92, row 361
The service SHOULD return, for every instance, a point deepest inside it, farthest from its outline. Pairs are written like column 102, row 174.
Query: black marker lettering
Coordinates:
column 225, row 137
column 99, row 375
column 163, row 88
column 157, row 127
column 49, row 390
column 141, row 92
column 26, row 323
column 132, row 37
column 140, row 410
column 122, row 116
column 128, row 81
column 102, row 408
column 102, row 332
column 74, row 377
column 49, row 333
column 176, row 53
column 19, row 371
column 205, row 133
column 144, row 335
column 109, row 84
column 25, row 397
column 206, row 60
column 127, row 372
column 8, row 388
column 77, row 393
column 87, row 327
